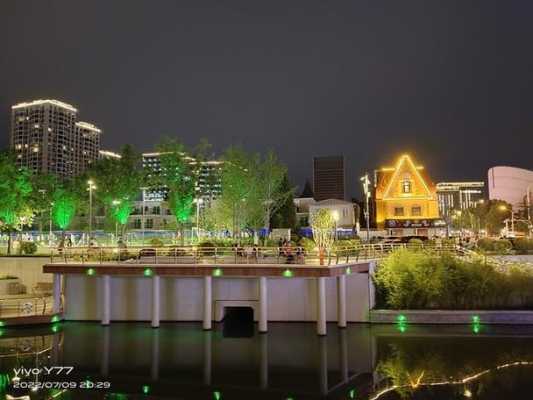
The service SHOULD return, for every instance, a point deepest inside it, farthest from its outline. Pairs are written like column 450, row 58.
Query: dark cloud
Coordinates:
column 450, row 80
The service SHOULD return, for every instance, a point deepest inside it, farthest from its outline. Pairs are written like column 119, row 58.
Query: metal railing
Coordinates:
column 231, row 255
column 27, row 306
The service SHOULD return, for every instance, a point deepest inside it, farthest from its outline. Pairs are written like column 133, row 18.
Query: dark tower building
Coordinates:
column 328, row 178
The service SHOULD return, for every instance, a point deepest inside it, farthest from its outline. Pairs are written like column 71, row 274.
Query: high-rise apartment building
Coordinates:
column 47, row 138
column 209, row 179
column 328, row 178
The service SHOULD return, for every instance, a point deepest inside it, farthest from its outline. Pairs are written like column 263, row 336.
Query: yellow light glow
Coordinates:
column 403, row 159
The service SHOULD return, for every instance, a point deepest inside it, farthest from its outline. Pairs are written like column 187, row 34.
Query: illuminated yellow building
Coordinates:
column 406, row 200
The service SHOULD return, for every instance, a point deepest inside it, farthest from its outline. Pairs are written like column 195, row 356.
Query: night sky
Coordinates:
column 449, row 81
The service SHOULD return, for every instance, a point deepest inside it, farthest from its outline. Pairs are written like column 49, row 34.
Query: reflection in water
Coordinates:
column 360, row 362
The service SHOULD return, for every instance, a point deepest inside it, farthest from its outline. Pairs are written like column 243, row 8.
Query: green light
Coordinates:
column 146, row 389
column 476, row 328
column 55, row 328
column 401, row 322
column 217, row 272
column 351, row 394
column 148, row 272
column 217, row 395
column 348, row 271
column 91, row 272
column 475, row 319
column 288, row 273
column 2, row 323
column 64, row 208
column 55, row 319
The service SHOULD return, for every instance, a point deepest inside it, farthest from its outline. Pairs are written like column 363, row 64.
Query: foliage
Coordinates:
column 417, row 279
column 323, row 223
column 415, row 243
column 156, row 242
column 16, row 194
column 28, row 248
column 285, row 215
column 308, row 244
column 494, row 245
column 179, row 175
column 118, row 181
column 523, row 244
column 64, row 206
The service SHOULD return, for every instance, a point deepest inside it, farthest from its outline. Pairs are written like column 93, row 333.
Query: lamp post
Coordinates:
column 142, row 212
column 91, row 187
column 50, row 231
column 366, row 190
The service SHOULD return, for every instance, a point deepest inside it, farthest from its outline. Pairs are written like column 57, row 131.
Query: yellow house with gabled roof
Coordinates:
column 406, row 199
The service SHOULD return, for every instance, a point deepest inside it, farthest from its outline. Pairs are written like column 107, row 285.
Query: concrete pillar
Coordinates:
column 104, row 366
column 106, row 289
column 208, row 302
column 341, row 301
column 155, row 356
column 321, row 307
column 263, row 367
column 207, row 357
column 263, row 304
column 56, row 307
column 155, row 301
column 323, row 365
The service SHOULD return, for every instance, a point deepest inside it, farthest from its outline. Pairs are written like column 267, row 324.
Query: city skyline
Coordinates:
column 384, row 88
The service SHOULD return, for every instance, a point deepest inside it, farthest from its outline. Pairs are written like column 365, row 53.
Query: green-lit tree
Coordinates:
column 239, row 204
column 64, row 206
column 16, row 197
column 118, row 181
column 43, row 186
column 323, row 225
column 179, row 175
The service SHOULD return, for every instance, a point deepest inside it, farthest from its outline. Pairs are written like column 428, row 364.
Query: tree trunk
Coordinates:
column 321, row 255
column 9, row 243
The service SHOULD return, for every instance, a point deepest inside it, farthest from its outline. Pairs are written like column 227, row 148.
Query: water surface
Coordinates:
column 181, row 361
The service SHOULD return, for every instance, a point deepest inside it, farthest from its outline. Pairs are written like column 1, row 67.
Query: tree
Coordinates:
column 323, row 225
column 179, row 174
column 273, row 188
column 16, row 197
column 43, row 187
column 491, row 215
column 238, row 204
column 65, row 202
column 285, row 215
column 118, row 181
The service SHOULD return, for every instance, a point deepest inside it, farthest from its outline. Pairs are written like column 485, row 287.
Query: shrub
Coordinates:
column 494, row 245
column 207, row 248
column 523, row 244
column 28, row 248
column 156, row 242
column 415, row 244
column 425, row 280
column 308, row 244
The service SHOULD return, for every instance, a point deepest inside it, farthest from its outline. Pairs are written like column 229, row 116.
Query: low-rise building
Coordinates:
column 406, row 200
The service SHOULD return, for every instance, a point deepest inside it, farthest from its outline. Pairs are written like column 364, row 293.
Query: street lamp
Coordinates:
column 91, row 187
column 366, row 190
column 198, row 201
column 503, row 207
